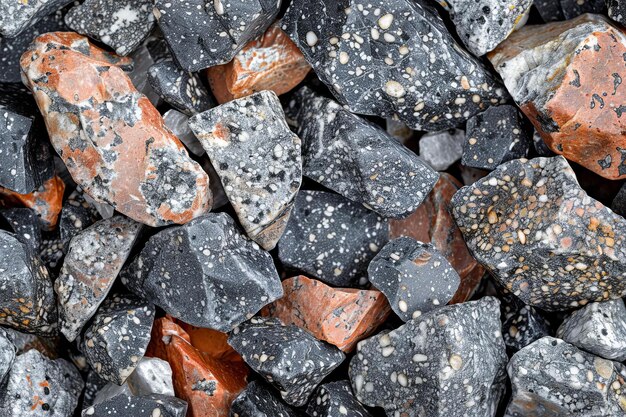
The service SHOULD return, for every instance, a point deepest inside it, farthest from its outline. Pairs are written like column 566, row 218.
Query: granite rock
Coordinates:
column 18, row 15
column 442, row 149
column 258, row 400
column 335, row 399
column 155, row 405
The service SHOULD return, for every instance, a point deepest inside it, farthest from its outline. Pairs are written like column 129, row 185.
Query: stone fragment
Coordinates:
column 178, row 123
column 442, row 149
column 155, row 405
column 357, row 159
column 541, row 236
column 95, row 257
column 25, row 225
column 335, row 399
column 495, row 136
column 567, row 78
column 339, row 316
column 46, row 201
column 76, row 215
column 270, row 62
column 399, row 130
column 619, row 202
column 203, row 34
column 617, row 10
column 119, row 131
column 209, row 341
column 258, row 400
column 289, row 358
column 18, row 15
column 48, row 346
column 521, row 324
column 257, row 158
column 598, row 328
column 379, row 69
column 317, row 243
column 116, row 339
column 121, row 24
column 143, row 58
column 414, row 277
column 549, row 10
column 93, row 385
column 7, row 354
column 540, row 146
column 18, row 147
column 552, row 377
column 51, row 253
column 574, row 8
column 427, row 366
column 37, row 386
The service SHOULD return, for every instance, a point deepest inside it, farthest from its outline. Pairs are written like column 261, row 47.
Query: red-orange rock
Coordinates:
column 46, row 201
column 270, row 62
column 567, row 77
column 432, row 223
column 111, row 138
column 339, row 316
column 212, row 342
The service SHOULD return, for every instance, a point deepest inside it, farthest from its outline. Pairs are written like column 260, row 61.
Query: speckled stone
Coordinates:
column 258, row 400
column 574, row 8
column 442, row 149
column 7, row 354
column 178, row 123
column 39, row 387
column 549, row 10
column 116, row 339
column 152, row 50
column 121, row 24
column 47, row 345
column 427, row 366
column 181, row 89
column 155, row 405
column 331, row 238
column 617, row 10
column 206, row 273
column 18, row 15
column 567, row 78
column 257, row 158
column 521, row 324
column 552, row 377
column 414, row 276
column 119, row 131
column 77, row 214
column 542, row 236
column 289, row 358
column 335, row 399
column 495, row 136
column 598, row 328
column 380, row 67
column 540, row 146
column 202, row 34
column 95, row 257
column 93, row 384
column 357, row 159
column 25, row 226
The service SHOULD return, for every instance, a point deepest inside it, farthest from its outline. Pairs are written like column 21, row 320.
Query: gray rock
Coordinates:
column 574, row 8
column 442, row 149
column 18, row 15
column 617, row 10
column 154, row 405
column 178, row 123
column 619, row 202
column 521, row 324
column 76, row 215
column 7, row 354
column 258, row 400
column 335, row 399
column 25, row 225
column 549, row 10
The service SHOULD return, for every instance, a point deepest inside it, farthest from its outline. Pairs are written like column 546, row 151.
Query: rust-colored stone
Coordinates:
column 339, row 316
column 270, row 62
column 111, row 138
column 46, row 201
column 432, row 223
column 212, row 342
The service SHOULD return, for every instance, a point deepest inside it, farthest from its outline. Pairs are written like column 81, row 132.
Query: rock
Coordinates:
column 76, row 215
column 379, row 68
column 154, row 405
column 317, row 243
column 143, row 58
column 598, row 328
column 540, row 146
column 399, row 130
column 427, row 366
column 578, row 110
column 574, row 8
column 270, row 62
column 335, row 399
column 541, row 236
column 257, row 159
column 116, row 339
column 617, row 10
column 549, row 10
column 257, row 400
column 495, row 136
column 619, row 202
column 289, row 358
column 521, row 324
column 181, row 89
column 552, row 376
column 339, row 316
column 7, row 354
column 48, row 346
column 121, row 24
column 25, row 225
column 442, row 149
column 119, row 131
column 357, row 159
column 95, row 257
column 482, row 25
column 414, row 277
column 178, row 123
column 93, row 385
column 16, row 15
column 432, row 222
column 202, row 35
column 51, row 253
column 37, row 386
column 212, row 342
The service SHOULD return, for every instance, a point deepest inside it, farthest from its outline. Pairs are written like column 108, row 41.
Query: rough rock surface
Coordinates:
column 18, row 15
column 258, row 400
column 442, row 149
column 155, row 405
column 25, row 225
column 335, row 399
column 617, row 10
column 521, row 324
column 77, row 214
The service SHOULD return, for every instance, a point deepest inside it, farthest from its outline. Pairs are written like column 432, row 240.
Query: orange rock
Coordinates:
column 339, row 316
column 270, row 62
column 47, row 201
column 212, row 342
column 432, row 223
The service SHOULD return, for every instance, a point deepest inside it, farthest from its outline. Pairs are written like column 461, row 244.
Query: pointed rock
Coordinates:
column 25, row 225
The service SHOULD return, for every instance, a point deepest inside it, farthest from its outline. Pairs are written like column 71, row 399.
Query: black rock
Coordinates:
column 206, row 273
column 93, row 384
column 574, row 8
column 550, row 10
column 521, row 324
column 331, row 238
column 25, row 225
column 289, row 358
column 155, row 405
column 617, row 10
column 357, row 159
column 540, row 146
column 203, row 34
column 335, row 399
column 16, row 15
column 258, row 400
column 77, row 214
column 7, row 354
column 52, row 252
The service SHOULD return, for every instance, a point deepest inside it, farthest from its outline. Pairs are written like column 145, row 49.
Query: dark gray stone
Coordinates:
column 25, row 225
column 155, row 405
column 617, row 10
column 258, row 400
column 178, row 123
column 335, row 399
column 574, row 8
column 76, row 215
column 18, row 15
column 93, row 384
column 521, row 324
column 7, row 354
column 549, row 10
column 619, row 202
column 540, row 146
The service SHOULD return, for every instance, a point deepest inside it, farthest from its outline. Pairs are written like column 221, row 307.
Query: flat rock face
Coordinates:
column 17, row 15
column 154, row 405
column 316, row 242
column 567, row 78
column 258, row 400
column 379, row 68
column 357, row 159
column 542, row 236
column 202, row 34
column 269, row 62
column 258, row 160
column 207, row 273
column 442, row 149
column 552, row 377
column 339, row 316
column 289, row 358
column 102, row 127
column 427, row 366
column 335, row 399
